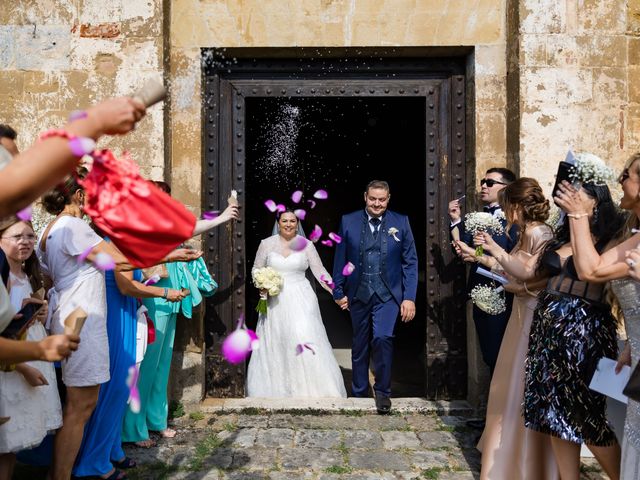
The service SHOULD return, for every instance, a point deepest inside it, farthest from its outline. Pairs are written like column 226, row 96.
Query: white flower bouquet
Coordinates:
column 489, row 300
column 589, row 168
column 476, row 222
column 266, row 278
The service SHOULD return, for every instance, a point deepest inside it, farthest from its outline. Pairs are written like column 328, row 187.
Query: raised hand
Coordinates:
column 183, row 255
column 230, row 213
column 58, row 347
column 116, row 115
column 573, row 201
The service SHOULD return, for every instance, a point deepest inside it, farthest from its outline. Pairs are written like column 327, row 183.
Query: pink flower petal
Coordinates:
column 321, row 195
column 25, row 214
column 296, row 196
column 315, row 235
column 236, row 346
column 348, row 269
column 152, row 280
column 328, row 281
column 335, row 237
column 83, row 256
column 280, row 208
column 312, row 203
column 298, row 243
column 134, row 393
column 309, row 346
column 210, row 215
column 299, row 348
column 271, row 205
column 300, row 213
column 255, row 341
column 104, row 262
column 327, row 243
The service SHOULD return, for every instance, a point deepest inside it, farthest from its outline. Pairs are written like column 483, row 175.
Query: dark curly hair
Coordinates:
column 606, row 224
column 55, row 200
column 525, row 197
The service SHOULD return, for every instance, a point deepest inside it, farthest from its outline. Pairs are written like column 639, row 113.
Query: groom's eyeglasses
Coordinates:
column 490, row 182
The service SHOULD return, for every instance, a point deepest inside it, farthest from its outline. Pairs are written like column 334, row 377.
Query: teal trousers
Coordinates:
column 152, row 383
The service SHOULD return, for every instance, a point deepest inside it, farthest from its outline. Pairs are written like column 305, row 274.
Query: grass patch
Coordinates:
column 446, row 428
column 159, row 471
column 253, row 411
column 433, row 473
column 204, row 448
column 176, row 409
column 230, row 427
column 342, row 448
column 196, row 416
column 352, row 413
column 339, row 469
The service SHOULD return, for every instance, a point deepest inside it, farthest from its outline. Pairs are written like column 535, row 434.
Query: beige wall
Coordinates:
column 59, row 56
column 579, row 76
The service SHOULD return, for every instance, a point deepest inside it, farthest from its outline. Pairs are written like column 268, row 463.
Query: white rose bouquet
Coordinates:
column 266, row 278
column 476, row 222
column 488, row 299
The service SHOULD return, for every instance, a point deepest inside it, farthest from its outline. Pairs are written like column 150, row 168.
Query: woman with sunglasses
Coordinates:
column 614, row 264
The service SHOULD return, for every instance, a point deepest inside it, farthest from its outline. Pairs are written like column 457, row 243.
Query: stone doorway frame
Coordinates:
column 232, row 75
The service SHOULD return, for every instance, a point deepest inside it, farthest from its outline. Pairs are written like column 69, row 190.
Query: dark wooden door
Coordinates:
column 229, row 85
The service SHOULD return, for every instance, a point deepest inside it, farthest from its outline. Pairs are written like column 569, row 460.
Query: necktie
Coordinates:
column 376, row 223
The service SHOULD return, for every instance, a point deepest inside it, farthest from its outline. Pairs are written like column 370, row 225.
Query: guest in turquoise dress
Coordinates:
column 101, row 452
column 154, row 371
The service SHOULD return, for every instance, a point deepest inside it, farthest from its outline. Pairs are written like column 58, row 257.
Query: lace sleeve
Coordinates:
column 315, row 264
column 261, row 256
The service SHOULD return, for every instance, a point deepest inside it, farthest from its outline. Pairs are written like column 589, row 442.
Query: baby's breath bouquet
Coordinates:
column 488, row 299
column 266, row 278
column 590, row 168
column 476, row 222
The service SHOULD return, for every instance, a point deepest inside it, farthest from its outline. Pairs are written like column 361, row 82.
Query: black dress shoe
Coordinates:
column 383, row 405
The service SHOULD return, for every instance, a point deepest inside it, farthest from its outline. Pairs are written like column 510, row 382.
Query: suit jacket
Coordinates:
column 399, row 261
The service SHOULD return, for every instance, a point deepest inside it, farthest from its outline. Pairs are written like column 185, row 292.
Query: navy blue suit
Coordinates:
column 490, row 328
column 386, row 273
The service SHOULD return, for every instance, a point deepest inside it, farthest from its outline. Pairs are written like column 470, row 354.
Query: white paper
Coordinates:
column 492, row 275
column 570, row 158
column 606, row 381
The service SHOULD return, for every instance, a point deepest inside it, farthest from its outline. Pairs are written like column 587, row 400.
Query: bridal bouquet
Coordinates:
column 266, row 278
column 476, row 222
column 488, row 299
column 590, row 168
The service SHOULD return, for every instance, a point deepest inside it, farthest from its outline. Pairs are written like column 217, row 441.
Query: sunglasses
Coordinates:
column 490, row 182
column 623, row 176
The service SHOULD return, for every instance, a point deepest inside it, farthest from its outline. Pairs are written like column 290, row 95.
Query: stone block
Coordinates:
column 11, row 82
column 491, row 93
column 41, row 82
column 610, row 85
column 438, row 439
column 599, row 16
column 394, row 440
column 543, row 16
column 562, row 50
column 634, row 51
column 379, row 460
column 257, row 458
column 634, row 84
column 490, row 60
column 633, row 16
column 275, row 438
column 7, row 47
column 317, row 438
column 93, row 12
column 358, row 439
column 43, row 47
column 562, row 86
column 243, row 437
column 533, row 49
column 427, row 459
column 491, row 136
column 602, row 50
column 309, row 458
column 100, row 30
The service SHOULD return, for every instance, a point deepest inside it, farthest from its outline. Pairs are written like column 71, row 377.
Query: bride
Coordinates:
column 295, row 358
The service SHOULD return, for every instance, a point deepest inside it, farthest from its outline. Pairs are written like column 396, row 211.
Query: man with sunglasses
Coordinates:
column 490, row 328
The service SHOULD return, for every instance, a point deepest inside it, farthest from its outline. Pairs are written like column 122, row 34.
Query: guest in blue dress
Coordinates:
column 101, row 452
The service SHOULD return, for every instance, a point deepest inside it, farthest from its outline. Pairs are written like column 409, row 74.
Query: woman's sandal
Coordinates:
column 148, row 443
column 125, row 463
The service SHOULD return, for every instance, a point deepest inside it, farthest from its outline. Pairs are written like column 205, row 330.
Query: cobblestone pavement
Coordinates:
column 299, row 445
column 306, row 444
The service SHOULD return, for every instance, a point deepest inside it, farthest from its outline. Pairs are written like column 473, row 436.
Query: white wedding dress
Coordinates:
column 276, row 369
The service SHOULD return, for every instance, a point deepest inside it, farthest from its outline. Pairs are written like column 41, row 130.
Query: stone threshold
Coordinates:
column 335, row 405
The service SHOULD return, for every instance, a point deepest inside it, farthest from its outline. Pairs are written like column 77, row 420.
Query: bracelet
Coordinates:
column 80, row 146
column 577, row 215
column 166, row 292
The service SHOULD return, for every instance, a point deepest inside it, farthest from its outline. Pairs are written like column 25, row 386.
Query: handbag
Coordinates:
column 632, row 388
column 140, row 219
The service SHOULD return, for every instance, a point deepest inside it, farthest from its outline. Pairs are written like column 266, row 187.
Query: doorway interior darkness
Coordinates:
column 274, row 125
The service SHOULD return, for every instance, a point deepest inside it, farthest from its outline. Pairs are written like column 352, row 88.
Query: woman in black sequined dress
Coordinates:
column 572, row 329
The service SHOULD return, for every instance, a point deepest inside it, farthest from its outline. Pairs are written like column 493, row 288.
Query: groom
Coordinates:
column 380, row 245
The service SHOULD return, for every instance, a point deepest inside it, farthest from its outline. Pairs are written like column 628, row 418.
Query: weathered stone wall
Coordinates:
column 579, row 75
column 57, row 56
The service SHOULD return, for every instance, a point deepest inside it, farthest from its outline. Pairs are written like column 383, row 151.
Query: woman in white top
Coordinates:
column 79, row 284
column 29, row 394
